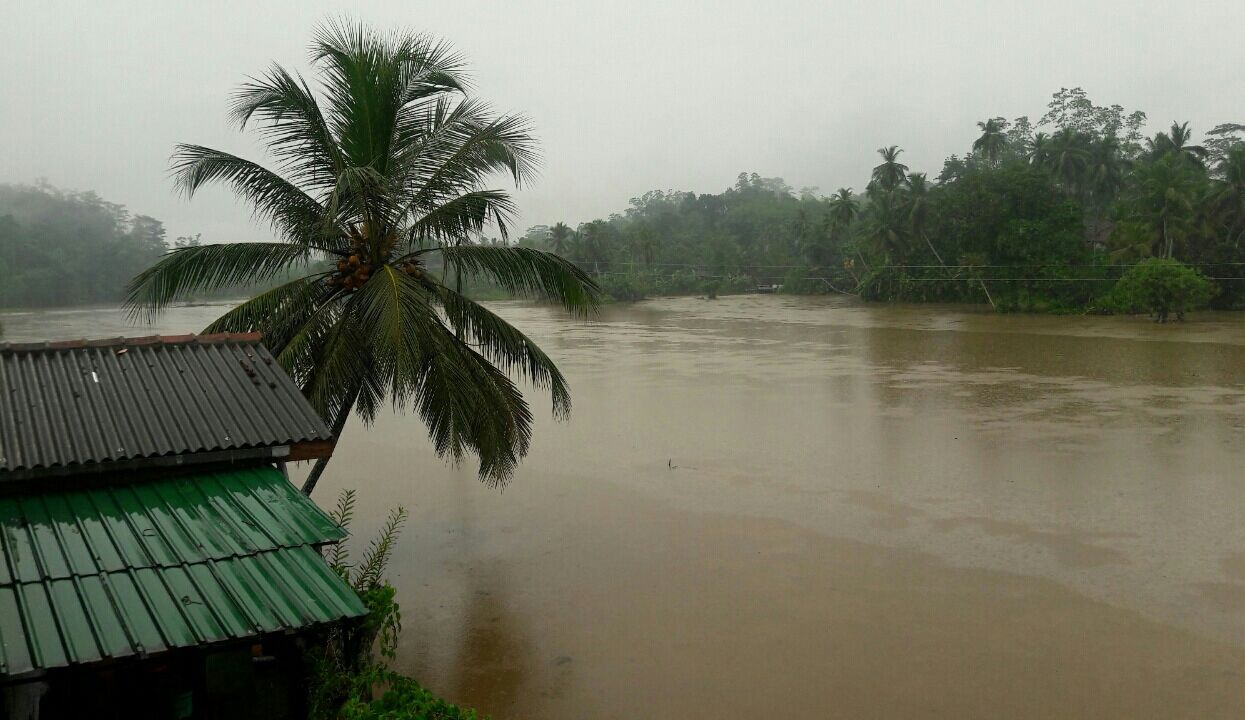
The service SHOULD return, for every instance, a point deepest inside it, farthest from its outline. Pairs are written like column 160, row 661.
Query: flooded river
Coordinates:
column 790, row 507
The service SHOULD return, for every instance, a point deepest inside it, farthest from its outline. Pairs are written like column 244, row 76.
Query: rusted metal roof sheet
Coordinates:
column 77, row 406
column 119, row 571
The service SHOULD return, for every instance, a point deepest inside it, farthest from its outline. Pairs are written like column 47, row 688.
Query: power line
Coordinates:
column 1040, row 266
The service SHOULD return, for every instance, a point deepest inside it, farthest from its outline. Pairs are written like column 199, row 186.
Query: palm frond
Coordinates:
column 469, row 405
column 526, row 271
column 290, row 211
column 293, row 123
column 278, row 313
column 464, row 216
column 397, row 312
column 446, row 151
column 209, row 267
column 337, row 362
column 506, row 347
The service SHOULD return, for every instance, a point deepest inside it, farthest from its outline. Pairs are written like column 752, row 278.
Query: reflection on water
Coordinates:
column 792, row 506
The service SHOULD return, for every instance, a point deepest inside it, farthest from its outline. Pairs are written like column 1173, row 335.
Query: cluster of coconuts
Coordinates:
column 351, row 273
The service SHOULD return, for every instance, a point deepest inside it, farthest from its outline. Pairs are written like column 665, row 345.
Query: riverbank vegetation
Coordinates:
column 70, row 248
column 348, row 675
column 1035, row 216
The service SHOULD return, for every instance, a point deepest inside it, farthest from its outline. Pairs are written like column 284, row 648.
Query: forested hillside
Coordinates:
column 1036, row 216
column 62, row 248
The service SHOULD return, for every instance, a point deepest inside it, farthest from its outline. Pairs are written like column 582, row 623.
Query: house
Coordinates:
column 155, row 560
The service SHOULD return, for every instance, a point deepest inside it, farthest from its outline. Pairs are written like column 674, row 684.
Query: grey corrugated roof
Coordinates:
column 84, row 404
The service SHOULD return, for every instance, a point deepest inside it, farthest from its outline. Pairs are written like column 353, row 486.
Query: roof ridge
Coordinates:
column 136, row 341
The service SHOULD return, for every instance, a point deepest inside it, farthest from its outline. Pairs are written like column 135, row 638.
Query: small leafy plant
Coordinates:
column 348, row 668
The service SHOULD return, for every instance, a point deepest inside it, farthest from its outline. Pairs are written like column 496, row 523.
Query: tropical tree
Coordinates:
column 993, row 140
column 1103, row 174
column 1104, row 171
column 891, row 173
column 1177, row 141
column 1227, row 196
column 918, row 200
column 646, row 244
column 888, row 228
column 843, row 209
column 1039, row 150
column 594, row 243
column 1163, row 194
column 379, row 186
column 1066, row 156
column 560, row 238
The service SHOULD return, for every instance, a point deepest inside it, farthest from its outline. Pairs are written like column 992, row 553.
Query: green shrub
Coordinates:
column 345, row 670
column 404, row 699
column 1160, row 287
column 625, row 288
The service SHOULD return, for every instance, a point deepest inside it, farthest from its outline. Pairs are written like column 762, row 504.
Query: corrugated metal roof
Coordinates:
column 84, row 404
column 111, row 572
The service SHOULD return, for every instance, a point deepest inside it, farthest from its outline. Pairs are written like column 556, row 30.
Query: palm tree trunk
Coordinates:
column 931, row 249
column 987, row 292
column 339, row 422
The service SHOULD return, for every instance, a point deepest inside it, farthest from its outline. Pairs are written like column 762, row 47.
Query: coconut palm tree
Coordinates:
column 1176, row 141
column 1104, row 173
column 891, row 173
column 378, row 190
column 843, row 208
column 592, row 243
column 1039, row 150
column 1105, row 170
column 1164, row 194
column 993, row 140
column 918, row 210
column 1066, row 156
column 888, row 228
column 1227, row 197
column 560, row 238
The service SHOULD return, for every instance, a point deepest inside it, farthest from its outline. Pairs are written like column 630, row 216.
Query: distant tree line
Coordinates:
column 59, row 247
column 62, row 248
column 1034, row 216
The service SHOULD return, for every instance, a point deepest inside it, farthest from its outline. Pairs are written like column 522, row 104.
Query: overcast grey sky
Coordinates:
column 626, row 96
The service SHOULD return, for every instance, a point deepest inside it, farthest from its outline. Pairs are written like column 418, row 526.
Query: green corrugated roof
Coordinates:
column 110, row 572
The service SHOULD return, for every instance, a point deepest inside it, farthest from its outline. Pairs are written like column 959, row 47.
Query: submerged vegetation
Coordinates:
column 1044, row 216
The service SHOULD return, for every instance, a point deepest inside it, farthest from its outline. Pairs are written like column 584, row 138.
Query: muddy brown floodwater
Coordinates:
column 789, row 507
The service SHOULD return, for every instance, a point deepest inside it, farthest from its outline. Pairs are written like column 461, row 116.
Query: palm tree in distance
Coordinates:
column 844, row 207
column 1065, row 156
column 993, row 140
column 560, row 238
column 888, row 228
column 1165, row 192
column 378, row 190
column 918, row 210
column 1176, row 141
column 1227, row 197
column 1039, row 149
column 891, row 173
